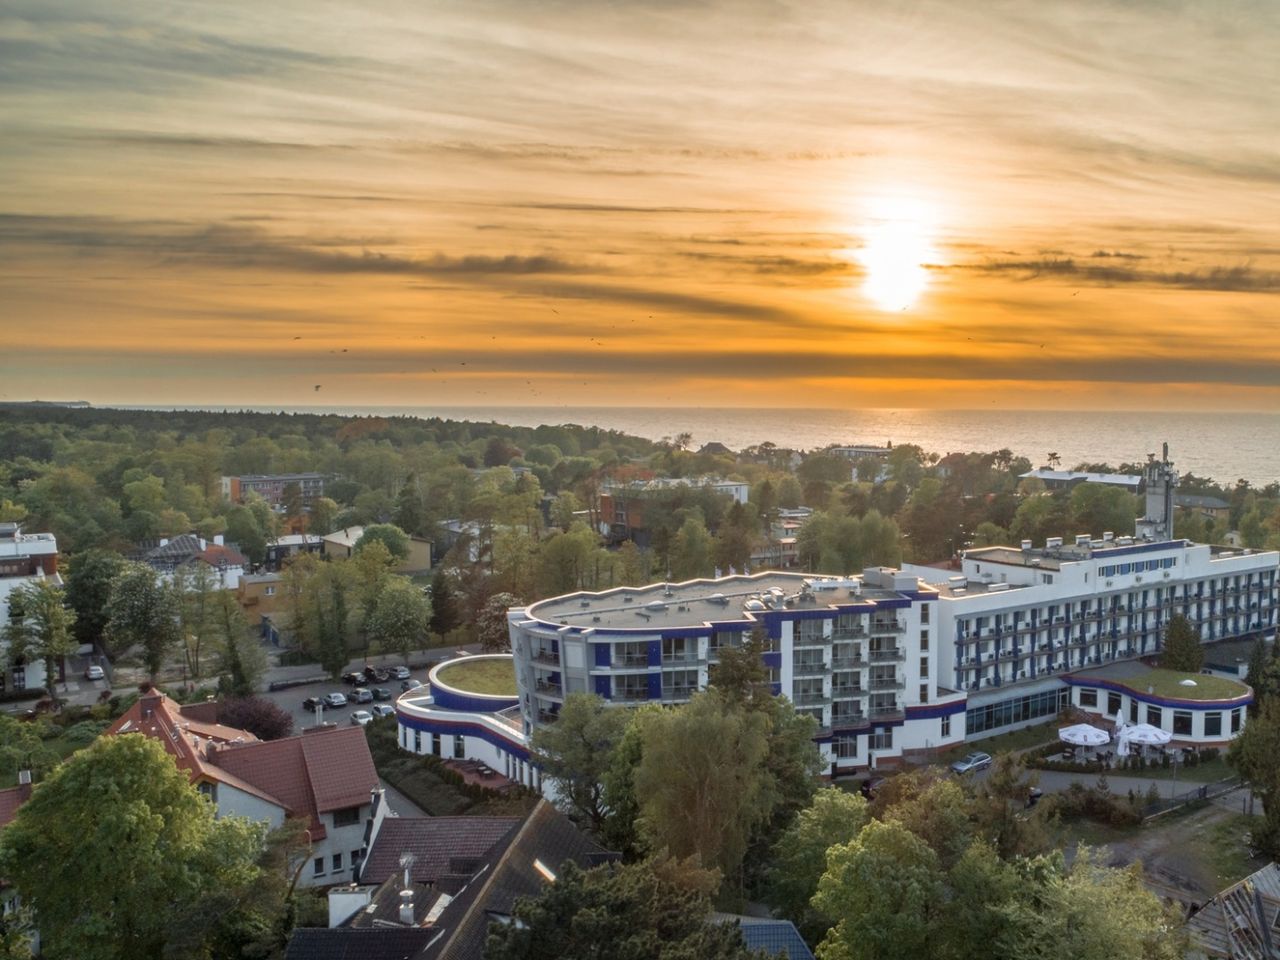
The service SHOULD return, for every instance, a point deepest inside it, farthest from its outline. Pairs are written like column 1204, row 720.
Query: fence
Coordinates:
column 1197, row 795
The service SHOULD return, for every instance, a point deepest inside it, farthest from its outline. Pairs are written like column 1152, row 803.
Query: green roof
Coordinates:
column 1168, row 683
column 483, row 675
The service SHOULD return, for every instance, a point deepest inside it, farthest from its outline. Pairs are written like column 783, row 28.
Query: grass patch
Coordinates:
column 476, row 675
column 1017, row 740
column 1210, row 771
column 1168, row 683
column 1224, row 848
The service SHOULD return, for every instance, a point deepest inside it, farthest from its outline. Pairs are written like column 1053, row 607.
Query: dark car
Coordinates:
column 381, row 693
column 311, row 703
column 1033, row 796
column 353, row 679
column 409, row 684
column 375, row 675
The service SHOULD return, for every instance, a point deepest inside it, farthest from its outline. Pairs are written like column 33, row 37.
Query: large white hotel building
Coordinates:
column 892, row 662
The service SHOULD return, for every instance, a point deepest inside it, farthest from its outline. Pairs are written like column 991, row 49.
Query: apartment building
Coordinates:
column 24, row 557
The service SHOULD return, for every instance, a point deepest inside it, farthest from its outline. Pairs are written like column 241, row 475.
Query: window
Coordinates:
column 924, row 667
column 355, row 858
column 337, row 862
column 924, row 615
column 1088, row 697
column 317, row 868
column 1113, row 704
column 417, row 741
column 271, row 591
column 1155, row 716
column 435, row 744
column 946, row 725
column 992, row 716
column 924, row 640
column 924, row 693
column 347, row 817
column 845, row 748
column 1235, row 721
column 1213, row 724
column 1182, row 723
column 1133, row 711
column 459, row 747
column 882, row 740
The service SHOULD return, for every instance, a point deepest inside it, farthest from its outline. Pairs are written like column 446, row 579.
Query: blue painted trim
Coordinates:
column 1172, row 702
column 604, row 653
column 932, row 711
column 447, row 699
column 1109, row 552
column 655, row 686
column 468, row 728
column 604, row 687
column 655, row 653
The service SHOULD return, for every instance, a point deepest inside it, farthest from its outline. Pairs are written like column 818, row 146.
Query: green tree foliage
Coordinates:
column 691, row 551
column 799, row 857
column 121, row 811
column 444, row 604
column 89, row 582
column 1256, row 754
column 324, row 516
column 492, row 631
column 245, row 530
column 656, row 910
column 400, row 619
column 835, row 542
column 43, row 631
column 886, row 890
column 197, row 587
column 143, row 611
column 702, row 785
column 1038, row 518
column 576, row 751
column 1098, row 507
column 1000, row 810
column 390, row 536
column 1182, row 649
column 241, row 662
column 23, row 748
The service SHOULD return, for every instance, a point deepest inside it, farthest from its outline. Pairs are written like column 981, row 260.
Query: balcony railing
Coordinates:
column 847, row 663
column 848, row 720
column 810, row 640
column 631, row 694
column 887, row 713
column 546, row 656
column 678, row 659
column 844, row 693
column 630, row 660
column 678, row 693
column 887, row 626
column 848, row 633
column 888, row 683
column 887, row 656
column 546, row 686
column 546, row 716
column 807, row 668
column 811, row 699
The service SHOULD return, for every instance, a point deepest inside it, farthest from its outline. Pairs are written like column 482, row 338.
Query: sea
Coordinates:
column 1224, row 446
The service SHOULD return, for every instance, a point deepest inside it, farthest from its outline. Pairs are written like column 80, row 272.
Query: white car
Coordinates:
column 401, row 673
column 335, row 700
column 95, row 672
column 361, row 717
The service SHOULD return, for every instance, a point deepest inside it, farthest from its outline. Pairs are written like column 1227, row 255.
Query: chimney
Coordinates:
column 219, row 540
column 406, row 907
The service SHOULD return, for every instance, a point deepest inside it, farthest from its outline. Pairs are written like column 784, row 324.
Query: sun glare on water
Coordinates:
column 897, row 245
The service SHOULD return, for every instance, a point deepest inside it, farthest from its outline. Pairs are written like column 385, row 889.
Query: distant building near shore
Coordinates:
column 272, row 487
column 1064, row 479
column 24, row 558
column 861, row 451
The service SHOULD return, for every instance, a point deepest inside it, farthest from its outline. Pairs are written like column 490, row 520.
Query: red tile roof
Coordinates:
column 216, row 555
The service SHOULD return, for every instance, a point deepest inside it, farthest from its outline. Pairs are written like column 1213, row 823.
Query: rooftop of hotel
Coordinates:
column 1057, row 551
column 696, row 602
column 1171, row 684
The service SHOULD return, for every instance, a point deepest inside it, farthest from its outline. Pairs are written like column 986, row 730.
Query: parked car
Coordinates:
column 335, row 700
column 974, row 761
column 95, row 672
column 361, row 717
column 362, row 695
column 870, row 786
column 383, row 710
column 409, row 685
column 401, row 673
column 381, row 693
column 353, row 679
column 376, row 675
column 1033, row 796
column 311, row 703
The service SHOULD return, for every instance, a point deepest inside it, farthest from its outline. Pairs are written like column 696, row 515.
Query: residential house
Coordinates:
column 1242, row 922
column 342, row 543
column 428, row 890
column 284, row 548
column 225, row 562
column 324, row 776
column 1065, row 479
column 24, row 558
column 1210, row 508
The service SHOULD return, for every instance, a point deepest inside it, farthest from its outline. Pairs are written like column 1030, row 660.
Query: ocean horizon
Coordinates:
column 1224, row 446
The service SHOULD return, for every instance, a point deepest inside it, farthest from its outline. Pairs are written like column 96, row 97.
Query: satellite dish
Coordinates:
column 1186, row 683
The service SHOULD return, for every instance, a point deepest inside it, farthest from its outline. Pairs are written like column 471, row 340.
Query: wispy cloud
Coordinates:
column 1241, row 279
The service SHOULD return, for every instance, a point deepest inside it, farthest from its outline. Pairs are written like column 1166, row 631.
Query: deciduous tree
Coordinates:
column 144, row 611
column 42, row 630
column 89, row 582
column 389, row 535
column 575, row 753
column 400, row 618
column 492, row 631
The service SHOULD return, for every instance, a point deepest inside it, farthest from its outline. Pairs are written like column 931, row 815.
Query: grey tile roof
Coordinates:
column 1228, row 926
column 345, row 943
column 440, row 846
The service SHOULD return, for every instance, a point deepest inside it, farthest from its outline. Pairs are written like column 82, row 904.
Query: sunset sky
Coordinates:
column 1033, row 204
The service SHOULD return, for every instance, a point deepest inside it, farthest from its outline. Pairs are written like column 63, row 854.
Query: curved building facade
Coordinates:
column 856, row 653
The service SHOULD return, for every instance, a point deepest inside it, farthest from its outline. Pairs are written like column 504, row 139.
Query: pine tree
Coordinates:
column 1182, row 650
column 444, row 605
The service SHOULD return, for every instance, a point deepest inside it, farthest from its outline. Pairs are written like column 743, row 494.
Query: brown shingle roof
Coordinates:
column 11, row 800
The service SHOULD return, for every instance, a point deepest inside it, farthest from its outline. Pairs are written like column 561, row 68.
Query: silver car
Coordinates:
column 361, row 717
column 974, row 761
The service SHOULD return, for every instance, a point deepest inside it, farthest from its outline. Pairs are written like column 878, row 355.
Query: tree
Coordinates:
column 657, row 910
column 1000, row 810
column 264, row 719
column 1259, row 657
column 43, row 632
column 143, row 611
column 245, row 530
column 492, row 631
column 576, row 751
column 23, row 748
column 444, row 604
column 702, row 786
column 389, row 535
column 885, row 889
column 1256, row 754
column 800, row 854
column 1182, row 650
column 121, row 809
column 89, row 582
column 291, row 499
column 197, row 586
column 241, row 662
column 324, row 515
column 691, row 551
column 400, row 618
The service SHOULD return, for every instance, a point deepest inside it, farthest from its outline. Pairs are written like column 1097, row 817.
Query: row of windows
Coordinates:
column 317, row 868
column 991, row 716
column 1182, row 719
column 1139, row 566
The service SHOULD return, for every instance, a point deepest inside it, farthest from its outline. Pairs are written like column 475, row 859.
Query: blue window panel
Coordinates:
column 604, row 654
column 655, row 686
column 604, row 688
column 655, row 653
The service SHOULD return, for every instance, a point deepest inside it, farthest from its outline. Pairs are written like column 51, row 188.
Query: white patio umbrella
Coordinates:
column 1147, row 735
column 1084, row 735
column 1122, row 743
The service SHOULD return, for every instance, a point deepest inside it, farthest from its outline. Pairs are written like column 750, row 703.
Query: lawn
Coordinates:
column 1224, row 848
column 1017, row 740
column 481, row 675
column 1209, row 772
column 1168, row 683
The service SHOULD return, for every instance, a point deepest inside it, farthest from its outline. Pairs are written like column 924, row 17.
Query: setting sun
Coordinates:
column 897, row 244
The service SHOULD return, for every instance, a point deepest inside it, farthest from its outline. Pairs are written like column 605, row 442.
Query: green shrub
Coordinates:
column 85, row 732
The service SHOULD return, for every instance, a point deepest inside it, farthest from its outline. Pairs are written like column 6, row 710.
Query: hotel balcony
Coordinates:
column 887, row 683
column 848, row 633
column 812, row 699
column 888, row 656
column 630, row 661
column 809, row 669
column 848, row 663
column 549, row 657
column 888, row 626
column 549, row 688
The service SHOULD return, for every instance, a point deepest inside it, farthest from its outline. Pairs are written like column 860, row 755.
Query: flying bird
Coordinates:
column 317, row 386
column 297, row 338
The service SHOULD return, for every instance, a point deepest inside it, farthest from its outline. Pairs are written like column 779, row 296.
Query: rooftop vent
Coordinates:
column 1053, row 543
column 1107, row 536
column 1083, row 539
column 1026, row 544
